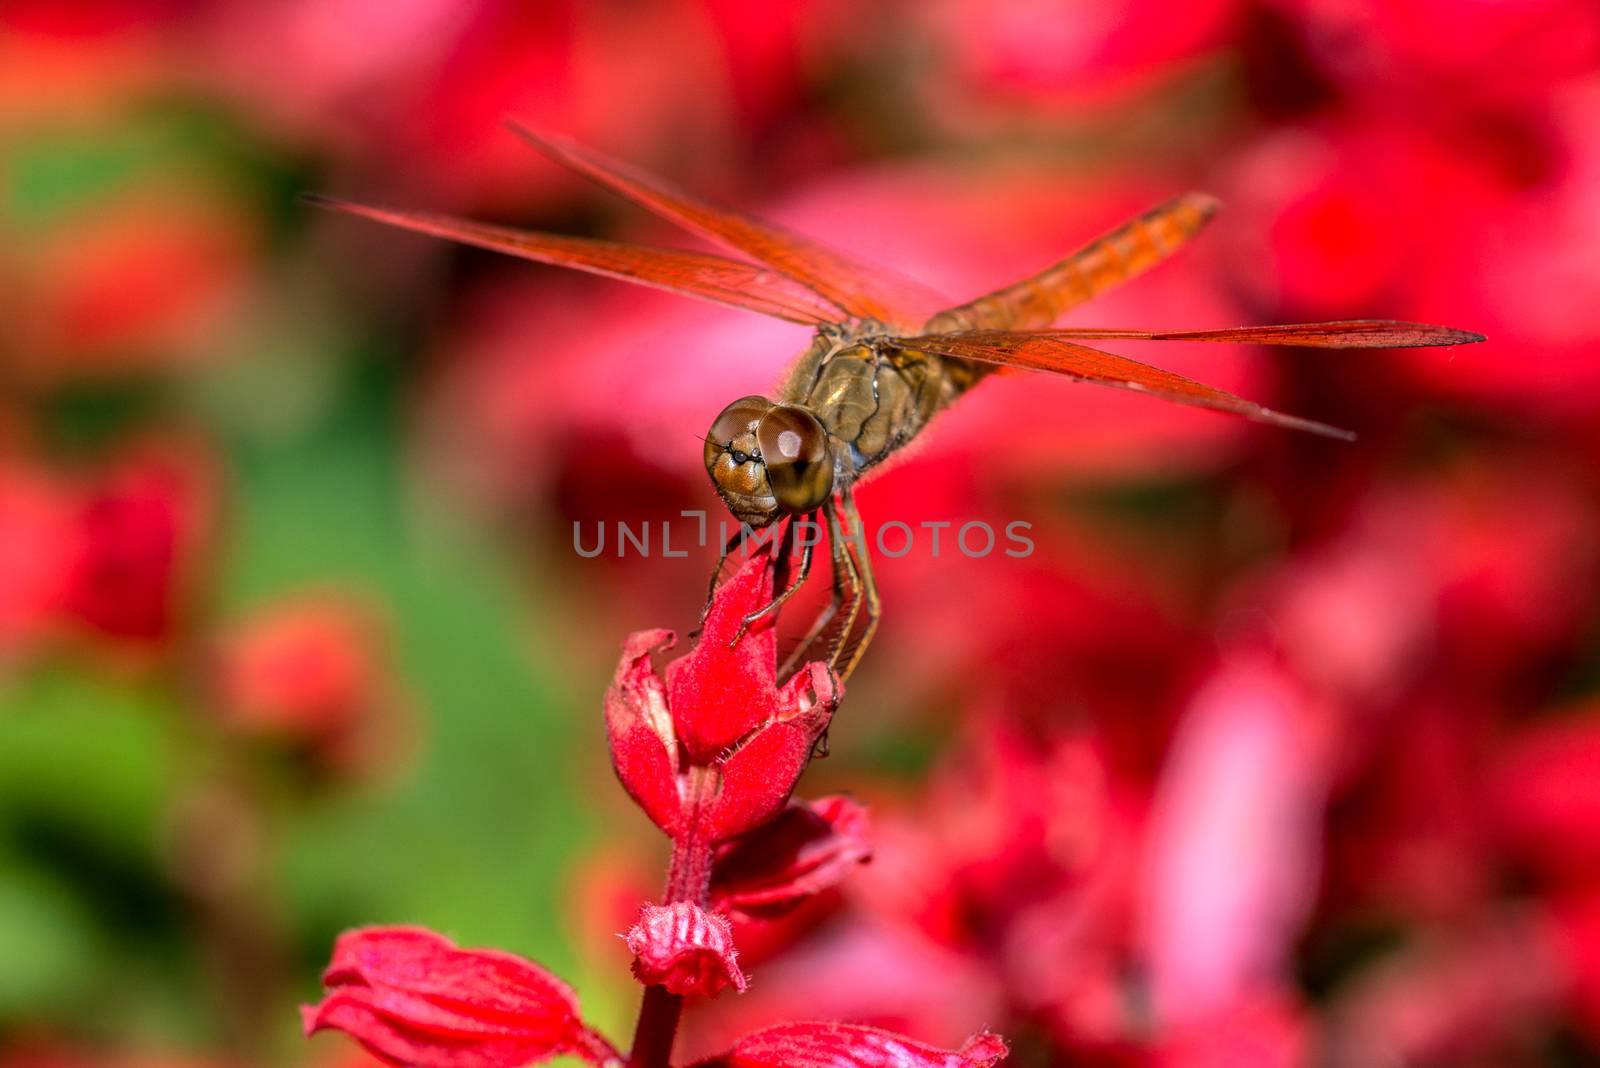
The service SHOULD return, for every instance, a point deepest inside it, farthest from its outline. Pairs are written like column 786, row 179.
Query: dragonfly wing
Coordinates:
column 854, row 287
column 1124, row 253
column 694, row 274
column 1043, row 352
column 1344, row 334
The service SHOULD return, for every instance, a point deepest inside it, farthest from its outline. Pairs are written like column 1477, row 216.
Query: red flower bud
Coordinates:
column 806, row 849
column 719, row 709
column 139, row 534
column 644, row 749
column 684, row 948
column 310, row 673
column 414, row 1000
column 719, row 694
column 836, row 1045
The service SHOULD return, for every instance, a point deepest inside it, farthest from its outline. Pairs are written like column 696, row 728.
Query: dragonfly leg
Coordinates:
column 840, row 568
column 849, row 652
column 716, row 573
column 771, row 608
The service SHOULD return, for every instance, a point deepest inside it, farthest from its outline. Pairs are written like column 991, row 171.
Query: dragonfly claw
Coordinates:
column 745, row 623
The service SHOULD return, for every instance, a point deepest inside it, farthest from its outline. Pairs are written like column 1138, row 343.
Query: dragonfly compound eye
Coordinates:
column 734, row 461
column 735, row 428
column 799, row 463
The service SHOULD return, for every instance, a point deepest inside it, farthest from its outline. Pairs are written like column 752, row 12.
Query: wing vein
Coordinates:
column 1043, row 352
column 695, row 274
column 1342, row 334
column 852, row 287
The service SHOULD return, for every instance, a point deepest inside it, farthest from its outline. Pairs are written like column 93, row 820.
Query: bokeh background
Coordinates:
column 1277, row 751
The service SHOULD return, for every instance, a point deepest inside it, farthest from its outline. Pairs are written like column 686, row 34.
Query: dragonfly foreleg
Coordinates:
column 840, row 568
column 716, row 573
column 801, row 574
column 849, row 652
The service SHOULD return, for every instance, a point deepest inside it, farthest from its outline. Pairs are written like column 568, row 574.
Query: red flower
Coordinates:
column 711, row 752
column 1544, row 795
column 310, row 674
column 718, row 745
column 684, row 948
column 35, row 554
column 1455, row 52
column 145, row 277
column 1046, row 58
column 807, row 848
column 413, row 999
column 140, row 529
column 1241, row 781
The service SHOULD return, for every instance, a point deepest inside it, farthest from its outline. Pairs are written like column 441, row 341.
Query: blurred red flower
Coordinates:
column 1007, row 890
column 35, row 555
column 310, row 673
column 145, row 278
column 1449, row 52
column 1484, row 225
column 1062, row 57
column 1242, row 780
column 140, row 537
column 430, row 84
column 1544, row 792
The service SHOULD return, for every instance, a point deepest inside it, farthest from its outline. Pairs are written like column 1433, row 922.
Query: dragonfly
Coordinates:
column 887, row 356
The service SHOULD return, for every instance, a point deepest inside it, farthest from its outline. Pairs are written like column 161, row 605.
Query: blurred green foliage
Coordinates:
column 471, row 837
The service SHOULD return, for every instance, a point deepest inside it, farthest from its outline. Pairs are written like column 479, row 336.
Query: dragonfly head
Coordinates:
column 769, row 460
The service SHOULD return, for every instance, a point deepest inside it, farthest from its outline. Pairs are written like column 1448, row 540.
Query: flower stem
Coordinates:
column 656, row 1029
column 688, row 879
column 689, row 876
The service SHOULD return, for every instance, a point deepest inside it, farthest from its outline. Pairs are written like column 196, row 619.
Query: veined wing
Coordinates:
column 854, row 287
column 1044, row 352
column 1124, row 253
column 1343, row 334
column 694, row 274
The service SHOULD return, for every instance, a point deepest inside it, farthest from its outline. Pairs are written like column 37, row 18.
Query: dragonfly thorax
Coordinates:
column 769, row 460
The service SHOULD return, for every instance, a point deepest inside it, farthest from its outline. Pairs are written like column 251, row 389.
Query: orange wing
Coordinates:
column 694, row 274
column 1344, row 334
column 858, row 288
column 1124, row 253
column 1043, row 352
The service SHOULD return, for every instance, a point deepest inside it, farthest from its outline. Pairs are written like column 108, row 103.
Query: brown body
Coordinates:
column 872, row 396
column 886, row 358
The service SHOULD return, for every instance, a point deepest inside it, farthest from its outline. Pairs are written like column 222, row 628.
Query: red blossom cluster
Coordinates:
column 114, row 560
column 711, row 753
column 107, row 555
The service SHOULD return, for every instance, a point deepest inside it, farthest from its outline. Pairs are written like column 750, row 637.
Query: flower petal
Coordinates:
column 719, row 694
column 684, row 948
column 413, row 999
column 639, row 730
column 837, row 1045
column 759, row 775
column 805, row 849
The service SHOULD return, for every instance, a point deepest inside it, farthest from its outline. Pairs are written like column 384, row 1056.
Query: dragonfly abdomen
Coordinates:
column 1129, row 250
